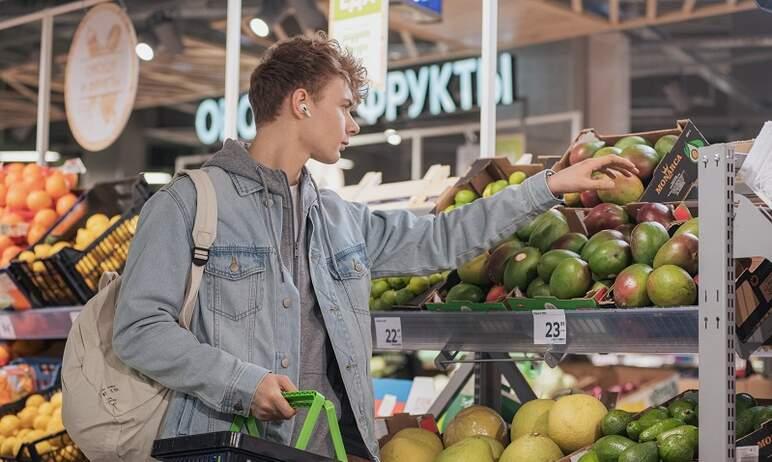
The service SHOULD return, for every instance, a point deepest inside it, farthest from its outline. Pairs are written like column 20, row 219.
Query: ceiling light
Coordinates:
column 259, row 27
column 157, row 177
column 144, row 51
column 392, row 137
column 28, row 156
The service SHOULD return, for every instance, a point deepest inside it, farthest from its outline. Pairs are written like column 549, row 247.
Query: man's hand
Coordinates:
column 578, row 177
column 268, row 404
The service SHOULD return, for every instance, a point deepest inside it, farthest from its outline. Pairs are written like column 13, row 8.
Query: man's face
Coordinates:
column 328, row 131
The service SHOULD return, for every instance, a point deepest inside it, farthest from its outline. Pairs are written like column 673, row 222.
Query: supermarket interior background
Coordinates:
column 615, row 302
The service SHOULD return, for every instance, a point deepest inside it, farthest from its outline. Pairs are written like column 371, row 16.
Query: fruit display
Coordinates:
column 388, row 292
column 39, row 419
column 32, row 199
column 467, row 195
column 628, row 189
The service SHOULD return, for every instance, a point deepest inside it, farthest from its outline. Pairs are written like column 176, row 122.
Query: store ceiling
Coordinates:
column 196, row 71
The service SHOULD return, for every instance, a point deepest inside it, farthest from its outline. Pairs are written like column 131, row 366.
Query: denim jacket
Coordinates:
column 239, row 331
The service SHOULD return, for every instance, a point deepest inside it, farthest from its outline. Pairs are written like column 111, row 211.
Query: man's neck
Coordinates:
column 277, row 147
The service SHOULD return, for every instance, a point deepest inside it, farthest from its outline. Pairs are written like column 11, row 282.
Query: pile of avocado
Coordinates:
column 387, row 292
column 667, row 434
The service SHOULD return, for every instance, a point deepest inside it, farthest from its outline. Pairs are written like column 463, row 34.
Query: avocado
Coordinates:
column 677, row 448
column 634, row 430
column 653, row 416
column 650, row 434
column 761, row 415
column 538, row 288
column 692, row 396
column 615, row 422
column 610, row 447
column 678, row 406
column 743, row 402
column 464, row 292
column 690, row 431
column 744, row 424
column 644, row 452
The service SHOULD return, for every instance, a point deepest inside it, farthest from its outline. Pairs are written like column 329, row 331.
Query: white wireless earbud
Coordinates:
column 305, row 110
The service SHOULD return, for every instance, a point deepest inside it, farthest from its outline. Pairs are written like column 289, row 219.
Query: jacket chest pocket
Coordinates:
column 351, row 272
column 236, row 279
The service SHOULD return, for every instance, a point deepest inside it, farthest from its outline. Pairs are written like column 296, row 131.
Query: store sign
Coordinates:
column 210, row 120
column 362, row 26
column 431, row 87
column 101, row 77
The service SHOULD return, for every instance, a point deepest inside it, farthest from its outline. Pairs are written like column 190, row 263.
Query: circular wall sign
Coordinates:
column 100, row 82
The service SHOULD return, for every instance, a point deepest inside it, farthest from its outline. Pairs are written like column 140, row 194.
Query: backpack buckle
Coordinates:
column 200, row 256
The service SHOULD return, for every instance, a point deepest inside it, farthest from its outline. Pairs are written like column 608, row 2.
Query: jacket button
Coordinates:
column 234, row 265
column 285, row 363
column 287, row 302
column 357, row 267
column 268, row 202
column 238, row 407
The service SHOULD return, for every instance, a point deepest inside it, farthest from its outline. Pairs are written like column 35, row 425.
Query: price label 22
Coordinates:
column 549, row 327
column 388, row 333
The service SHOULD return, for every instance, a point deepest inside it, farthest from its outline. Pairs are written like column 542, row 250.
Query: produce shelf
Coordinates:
column 37, row 324
column 641, row 330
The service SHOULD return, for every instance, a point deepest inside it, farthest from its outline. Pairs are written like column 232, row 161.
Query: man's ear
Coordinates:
column 300, row 100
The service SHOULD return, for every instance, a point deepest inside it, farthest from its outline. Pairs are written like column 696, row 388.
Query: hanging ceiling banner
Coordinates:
column 101, row 77
column 362, row 26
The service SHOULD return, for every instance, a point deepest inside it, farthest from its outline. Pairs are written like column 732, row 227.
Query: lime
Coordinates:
column 404, row 296
column 378, row 287
column 499, row 185
column 488, row 191
column 436, row 278
column 517, row 177
column 397, row 283
column 449, row 208
column 419, row 284
column 465, row 196
column 389, row 298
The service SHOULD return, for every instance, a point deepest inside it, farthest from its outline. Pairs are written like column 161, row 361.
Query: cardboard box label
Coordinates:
column 676, row 173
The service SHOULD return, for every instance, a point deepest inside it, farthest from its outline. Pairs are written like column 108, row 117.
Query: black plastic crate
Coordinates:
column 228, row 447
column 58, row 282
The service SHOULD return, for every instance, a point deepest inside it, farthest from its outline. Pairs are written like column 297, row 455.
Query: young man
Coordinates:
column 284, row 299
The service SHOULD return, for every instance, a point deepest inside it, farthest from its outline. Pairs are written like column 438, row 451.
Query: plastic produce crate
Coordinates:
column 228, row 447
column 70, row 277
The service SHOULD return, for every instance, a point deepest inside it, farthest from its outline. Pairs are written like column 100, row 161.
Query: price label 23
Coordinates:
column 549, row 327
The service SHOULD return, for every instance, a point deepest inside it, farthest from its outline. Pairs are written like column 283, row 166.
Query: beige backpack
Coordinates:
column 112, row 412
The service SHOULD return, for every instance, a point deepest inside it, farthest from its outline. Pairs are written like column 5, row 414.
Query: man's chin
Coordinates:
column 328, row 159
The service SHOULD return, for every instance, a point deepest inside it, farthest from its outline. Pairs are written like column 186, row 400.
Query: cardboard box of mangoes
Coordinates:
column 666, row 159
column 494, row 174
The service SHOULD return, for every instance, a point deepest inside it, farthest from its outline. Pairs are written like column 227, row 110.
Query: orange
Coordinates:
column 56, row 185
column 3, row 192
column 34, row 183
column 36, row 233
column 16, row 197
column 11, row 218
column 72, row 180
column 45, row 217
column 16, row 168
column 65, row 203
column 13, row 178
column 32, row 170
column 2, row 176
column 5, row 242
column 11, row 252
column 39, row 200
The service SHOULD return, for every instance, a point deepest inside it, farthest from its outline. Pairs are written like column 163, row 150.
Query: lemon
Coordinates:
column 38, row 267
column 35, row 401
column 42, row 251
column 114, row 219
column 9, row 424
column 27, row 256
column 44, row 447
column 46, row 409
column 7, row 448
column 34, row 435
column 59, row 246
column 98, row 223
column 23, row 433
column 574, row 421
column 27, row 416
column 56, row 399
column 41, row 422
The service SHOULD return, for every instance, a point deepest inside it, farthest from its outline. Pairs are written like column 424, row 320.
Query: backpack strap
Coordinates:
column 204, row 233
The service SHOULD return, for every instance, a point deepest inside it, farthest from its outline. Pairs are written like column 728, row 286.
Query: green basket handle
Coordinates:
column 315, row 402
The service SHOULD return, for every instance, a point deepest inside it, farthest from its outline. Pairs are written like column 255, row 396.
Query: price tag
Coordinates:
column 747, row 454
column 549, row 327
column 388, row 333
column 7, row 332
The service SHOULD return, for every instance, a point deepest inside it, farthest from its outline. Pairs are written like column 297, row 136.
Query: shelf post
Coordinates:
column 716, row 301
